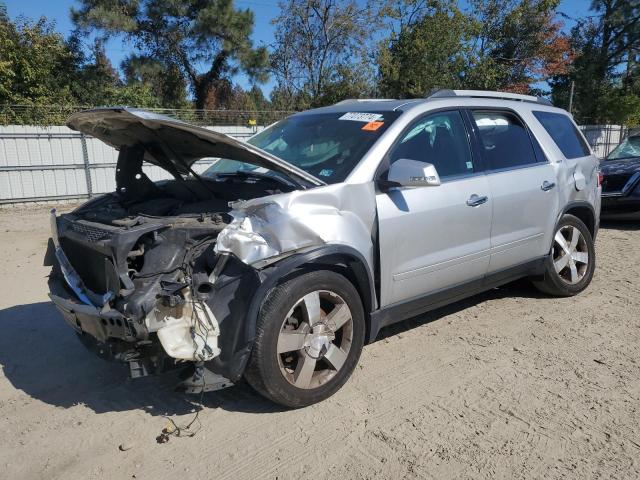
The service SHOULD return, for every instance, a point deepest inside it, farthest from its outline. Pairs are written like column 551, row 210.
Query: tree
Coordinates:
column 183, row 33
column 36, row 69
column 430, row 50
column 257, row 99
column 7, row 38
column 320, row 46
column 506, row 45
column 521, row 41
column 166, row 82
column 44, row 78
column 605, row 71
column 97, row 83
column 94, row 77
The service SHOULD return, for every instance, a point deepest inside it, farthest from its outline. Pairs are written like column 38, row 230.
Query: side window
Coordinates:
column 439, row 139
column 504, row 140
column 564, row 134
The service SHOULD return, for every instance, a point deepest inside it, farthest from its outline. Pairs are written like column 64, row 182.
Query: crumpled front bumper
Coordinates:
column 89, row 319
column 86, row 311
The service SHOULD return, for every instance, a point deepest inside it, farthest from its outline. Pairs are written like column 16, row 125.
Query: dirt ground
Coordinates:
column 508, row 384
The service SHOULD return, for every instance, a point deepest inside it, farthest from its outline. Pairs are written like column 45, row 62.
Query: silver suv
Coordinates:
column 279, row 258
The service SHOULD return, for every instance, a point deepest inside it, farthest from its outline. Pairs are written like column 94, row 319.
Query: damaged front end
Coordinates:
column 138, row 291
column 171, row 274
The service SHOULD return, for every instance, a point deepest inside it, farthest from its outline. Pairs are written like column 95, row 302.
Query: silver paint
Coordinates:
column 269, row 227
column 429, row 238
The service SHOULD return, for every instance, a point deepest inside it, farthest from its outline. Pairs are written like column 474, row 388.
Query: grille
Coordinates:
column 89, row 264
column 93, row 234
column 614, row 183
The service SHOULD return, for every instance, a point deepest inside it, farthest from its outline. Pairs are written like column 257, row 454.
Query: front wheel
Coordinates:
column 571, row 263
column 309, row 337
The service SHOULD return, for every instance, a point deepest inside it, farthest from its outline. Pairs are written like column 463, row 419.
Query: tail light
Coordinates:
column 600, row 178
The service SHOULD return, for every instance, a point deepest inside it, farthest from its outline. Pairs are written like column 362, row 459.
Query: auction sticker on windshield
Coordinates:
column 372, row 126
column 361, row 117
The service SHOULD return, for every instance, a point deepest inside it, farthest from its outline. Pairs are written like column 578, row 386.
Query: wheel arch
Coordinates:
column 342, row 259
column 585, row 212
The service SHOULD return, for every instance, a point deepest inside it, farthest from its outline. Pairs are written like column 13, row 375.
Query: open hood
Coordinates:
column 175, row 145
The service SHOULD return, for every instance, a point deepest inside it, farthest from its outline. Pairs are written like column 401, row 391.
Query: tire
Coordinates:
column 294, row 363
column 566, row 273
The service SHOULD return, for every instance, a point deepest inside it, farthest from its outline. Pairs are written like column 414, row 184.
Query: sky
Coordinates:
column 264, row 12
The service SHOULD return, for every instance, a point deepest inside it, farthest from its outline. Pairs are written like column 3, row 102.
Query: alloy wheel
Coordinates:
column 570, row 254
column 315, row 339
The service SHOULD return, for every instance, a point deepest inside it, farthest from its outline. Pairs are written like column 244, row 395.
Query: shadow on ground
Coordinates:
column 41, row 356
column 518, row 289
column 620, row 224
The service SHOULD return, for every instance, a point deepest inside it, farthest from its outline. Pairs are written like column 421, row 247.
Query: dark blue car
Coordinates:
column 621, row 177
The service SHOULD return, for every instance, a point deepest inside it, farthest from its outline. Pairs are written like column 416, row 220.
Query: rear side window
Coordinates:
column 504, row 140
column 564, row 133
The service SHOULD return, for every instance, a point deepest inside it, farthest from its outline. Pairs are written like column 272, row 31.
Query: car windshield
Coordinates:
column 326, row 145
column 629, row 148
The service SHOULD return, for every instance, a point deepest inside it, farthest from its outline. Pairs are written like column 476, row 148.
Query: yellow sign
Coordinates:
column 253, row 122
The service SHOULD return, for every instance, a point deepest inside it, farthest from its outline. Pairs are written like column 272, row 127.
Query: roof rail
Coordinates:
column 352, row 100
column 444, row 93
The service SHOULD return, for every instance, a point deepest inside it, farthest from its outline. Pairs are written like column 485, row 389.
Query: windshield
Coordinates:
column 630, row 147
column 326, row 145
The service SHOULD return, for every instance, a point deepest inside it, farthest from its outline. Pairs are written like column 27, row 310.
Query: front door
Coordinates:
column 434, row 237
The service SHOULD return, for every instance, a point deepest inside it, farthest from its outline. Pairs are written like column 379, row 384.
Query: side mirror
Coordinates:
column 411, row 173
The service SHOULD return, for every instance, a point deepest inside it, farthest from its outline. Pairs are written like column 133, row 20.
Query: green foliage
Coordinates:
column 43, row 78
column 166, row 82
column 497, row 45
column 36, row 65
column 35, row 62
column 181, row 35
column 605, row 72
column 432, row 53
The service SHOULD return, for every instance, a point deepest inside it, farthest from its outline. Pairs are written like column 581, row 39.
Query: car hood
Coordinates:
column 175, row 145
column 621, row 166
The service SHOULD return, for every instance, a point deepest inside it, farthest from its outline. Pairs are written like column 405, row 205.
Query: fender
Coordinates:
column 583, row 204
column 243, row 289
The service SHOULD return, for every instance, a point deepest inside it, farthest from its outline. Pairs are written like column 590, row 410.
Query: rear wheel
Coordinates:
column 571, row 263
column 309, row 337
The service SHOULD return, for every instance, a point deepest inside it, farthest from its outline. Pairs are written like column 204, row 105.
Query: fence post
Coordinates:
column 87, row 167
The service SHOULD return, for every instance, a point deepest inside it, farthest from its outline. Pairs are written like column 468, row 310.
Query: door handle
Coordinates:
column 546, row 186
column 475, row 200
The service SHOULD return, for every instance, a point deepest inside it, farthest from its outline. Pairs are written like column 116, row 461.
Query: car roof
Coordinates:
column 401, row 105
column 363, row 105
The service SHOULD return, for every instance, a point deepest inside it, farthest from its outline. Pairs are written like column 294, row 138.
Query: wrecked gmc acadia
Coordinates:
column 285, row 254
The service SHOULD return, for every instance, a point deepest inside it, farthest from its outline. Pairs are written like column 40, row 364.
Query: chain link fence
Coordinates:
column 51, row 115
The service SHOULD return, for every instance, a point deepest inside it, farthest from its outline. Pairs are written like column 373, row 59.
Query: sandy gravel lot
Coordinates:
column 508, row 384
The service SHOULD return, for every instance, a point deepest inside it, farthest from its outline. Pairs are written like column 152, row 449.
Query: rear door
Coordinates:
column 434, row 237
column 522, row 184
